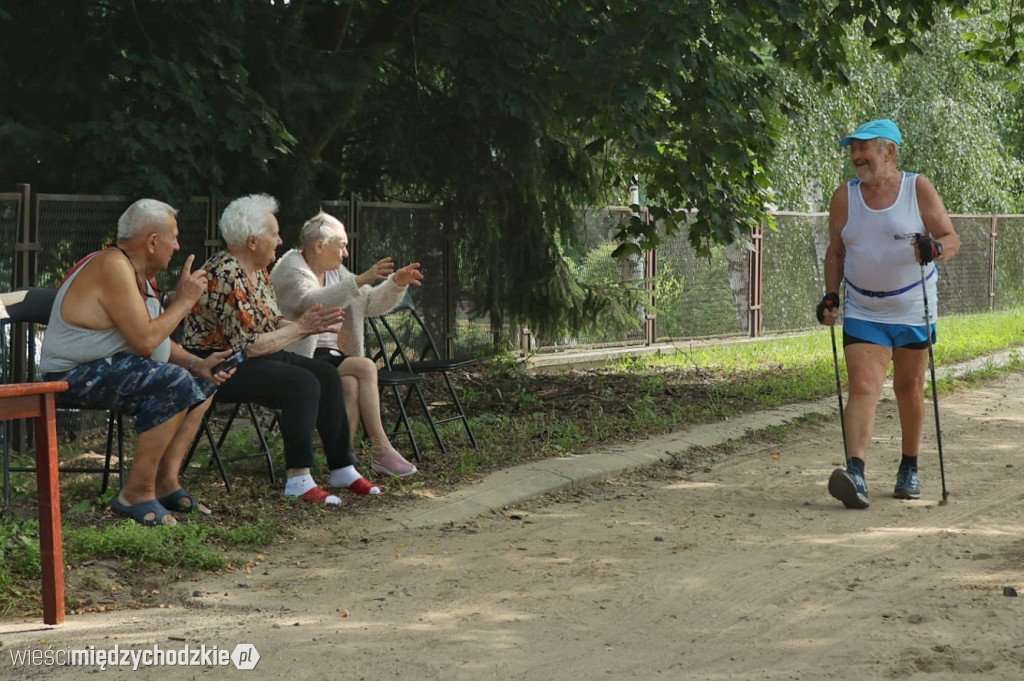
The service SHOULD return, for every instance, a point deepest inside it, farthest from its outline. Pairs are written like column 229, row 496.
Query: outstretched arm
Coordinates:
column 317, row 319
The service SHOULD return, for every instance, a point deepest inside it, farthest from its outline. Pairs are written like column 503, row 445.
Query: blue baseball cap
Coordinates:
column 873, row 129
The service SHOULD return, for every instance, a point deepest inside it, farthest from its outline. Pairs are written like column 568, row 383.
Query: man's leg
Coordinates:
column 866, row 365
column 169, row 468
column 909, row 368
column 908, row 384
column 149, row 451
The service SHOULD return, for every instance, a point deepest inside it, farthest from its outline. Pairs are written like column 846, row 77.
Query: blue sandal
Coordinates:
column 140, row 511
column 182, row 501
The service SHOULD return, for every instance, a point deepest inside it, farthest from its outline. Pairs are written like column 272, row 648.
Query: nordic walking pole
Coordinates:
column 829, row 302
column 839, row 390
column 931, row 365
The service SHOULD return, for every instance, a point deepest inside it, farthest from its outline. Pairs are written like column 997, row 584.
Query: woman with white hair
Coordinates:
column 314, row 274
column 239, row 311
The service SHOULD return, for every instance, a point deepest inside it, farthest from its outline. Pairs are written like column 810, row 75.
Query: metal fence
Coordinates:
column 771, row 282
column 766, row 285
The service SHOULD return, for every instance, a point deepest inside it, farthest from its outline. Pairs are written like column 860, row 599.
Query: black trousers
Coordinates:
column 308, row 393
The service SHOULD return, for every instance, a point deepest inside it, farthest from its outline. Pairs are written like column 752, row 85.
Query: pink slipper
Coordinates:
column 390, row 462
column 363, row 486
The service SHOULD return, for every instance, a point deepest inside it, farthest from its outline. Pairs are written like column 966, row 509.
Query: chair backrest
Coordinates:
column 21, row 335
column 388, row 347
column 35, row 307
column 408, row 329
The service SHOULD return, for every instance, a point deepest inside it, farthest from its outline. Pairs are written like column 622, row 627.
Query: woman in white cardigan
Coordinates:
column 312, row 274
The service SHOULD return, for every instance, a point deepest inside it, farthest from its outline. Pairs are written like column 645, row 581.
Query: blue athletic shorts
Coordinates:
column 889, row 335
column 149, row 390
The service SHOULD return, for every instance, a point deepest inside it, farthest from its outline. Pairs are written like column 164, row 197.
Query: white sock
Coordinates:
column 299, row 485
column 343, row 477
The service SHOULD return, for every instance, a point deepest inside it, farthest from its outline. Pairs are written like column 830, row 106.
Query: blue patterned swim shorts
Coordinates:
column 149, row 390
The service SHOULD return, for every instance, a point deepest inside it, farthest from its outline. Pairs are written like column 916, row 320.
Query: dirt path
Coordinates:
column 733, row 567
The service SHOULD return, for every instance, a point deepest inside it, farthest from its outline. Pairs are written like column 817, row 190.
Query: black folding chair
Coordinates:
column 415, row 343
column 216, row 443
column 396, row 374
column 216, row 458
column 20, row 340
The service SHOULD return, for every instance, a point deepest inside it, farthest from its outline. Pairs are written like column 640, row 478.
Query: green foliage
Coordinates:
column 19, row 551
column 513, row 115
column 952, row 111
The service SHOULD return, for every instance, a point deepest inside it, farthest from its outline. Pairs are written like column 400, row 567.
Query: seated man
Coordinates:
column 109, row 338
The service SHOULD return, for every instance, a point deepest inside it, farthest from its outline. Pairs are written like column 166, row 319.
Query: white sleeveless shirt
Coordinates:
column 880, row 259
column 65, row 346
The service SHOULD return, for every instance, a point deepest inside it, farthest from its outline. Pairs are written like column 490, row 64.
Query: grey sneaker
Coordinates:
column 848, row 487
column 907, row 484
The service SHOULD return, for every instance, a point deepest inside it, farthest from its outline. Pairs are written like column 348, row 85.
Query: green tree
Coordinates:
column 514, row 114
column 953, row 113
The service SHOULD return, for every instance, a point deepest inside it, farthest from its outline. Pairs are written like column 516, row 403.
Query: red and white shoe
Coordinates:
column 390, row 462
column 318, row 495
column 364, row 487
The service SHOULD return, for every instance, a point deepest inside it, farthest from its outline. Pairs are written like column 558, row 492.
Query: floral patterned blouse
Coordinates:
column 233, row 311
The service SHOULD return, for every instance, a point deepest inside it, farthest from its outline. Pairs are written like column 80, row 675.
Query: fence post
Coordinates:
column 211, row 243
column 754, row 282
column 26, row 246
column 450, row 313
column 525, row 339
column 353, row 234
column 651, row 323
column 993, row 230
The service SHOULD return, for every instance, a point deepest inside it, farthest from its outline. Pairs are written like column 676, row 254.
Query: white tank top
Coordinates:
column 880, row 259
column 65, row 346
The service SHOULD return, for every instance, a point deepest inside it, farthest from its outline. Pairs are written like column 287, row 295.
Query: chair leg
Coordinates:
column 459, row 408
column 120, row 450
column 214, row 452
column 114, row 421
column 403, row 418
column 430, row 417
column 231, row 419
column 263, row 440
column 7, row 461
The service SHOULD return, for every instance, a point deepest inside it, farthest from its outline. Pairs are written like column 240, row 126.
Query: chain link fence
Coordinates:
column 767, row 283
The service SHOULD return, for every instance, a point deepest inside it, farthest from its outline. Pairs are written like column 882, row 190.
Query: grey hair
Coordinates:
column 145, row 216
column 322, row 226
column 884, row 143
column 245, row 217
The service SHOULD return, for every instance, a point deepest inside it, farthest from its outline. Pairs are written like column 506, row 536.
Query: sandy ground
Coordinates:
column 729, row 565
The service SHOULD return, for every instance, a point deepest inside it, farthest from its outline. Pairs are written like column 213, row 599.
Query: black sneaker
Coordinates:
column 907, row 484
column 848, row 487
